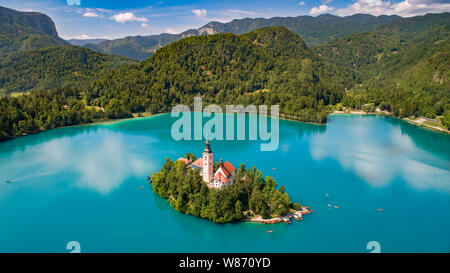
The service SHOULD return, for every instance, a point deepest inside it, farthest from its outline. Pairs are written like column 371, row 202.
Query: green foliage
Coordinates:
column 43, row 110
column 26, row 30
column 314, row 30
column 401, row 67
column 135, row 47
column 268, row 66
column 185, row 190
column 49, row 68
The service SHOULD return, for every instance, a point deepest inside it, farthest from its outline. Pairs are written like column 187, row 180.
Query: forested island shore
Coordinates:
column 251, row 197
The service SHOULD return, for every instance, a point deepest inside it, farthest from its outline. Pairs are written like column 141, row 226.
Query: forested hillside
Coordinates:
column 54, row 67
column 26, row 30
column 267, row 66
column 401, row 67
column 313, row 30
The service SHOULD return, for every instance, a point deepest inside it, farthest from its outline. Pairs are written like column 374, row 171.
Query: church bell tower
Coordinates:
column 208, row 163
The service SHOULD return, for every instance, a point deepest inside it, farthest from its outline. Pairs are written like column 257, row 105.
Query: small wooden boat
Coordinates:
column 142, row 187
column 380, row 209
column 286, row 220
column 274, row 169
column 336, row 207
column 269, row 231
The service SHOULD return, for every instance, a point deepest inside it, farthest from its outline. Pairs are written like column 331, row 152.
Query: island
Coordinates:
column 219, row 192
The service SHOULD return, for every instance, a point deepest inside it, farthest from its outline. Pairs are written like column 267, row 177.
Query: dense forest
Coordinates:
column 26, row 31
column 268, row 66
column 42, row 110
column 400, row 67
column 54, row 67
column 313, row 30
column 248, row 196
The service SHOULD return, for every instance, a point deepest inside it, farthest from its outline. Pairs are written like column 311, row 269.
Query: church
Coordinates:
column 223, row 176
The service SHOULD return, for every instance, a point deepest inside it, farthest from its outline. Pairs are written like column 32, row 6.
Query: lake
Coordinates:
column 84, row 184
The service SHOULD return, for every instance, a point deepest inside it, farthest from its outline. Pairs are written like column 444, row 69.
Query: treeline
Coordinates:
column 54, row 67
column 401, row 67
column 43, row 110
column 249, row 195
column 268, row 66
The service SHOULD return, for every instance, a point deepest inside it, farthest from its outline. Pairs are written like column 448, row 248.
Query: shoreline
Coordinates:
column 384, row 113
column 282, row 117
column 297, row 215
column 98, row 122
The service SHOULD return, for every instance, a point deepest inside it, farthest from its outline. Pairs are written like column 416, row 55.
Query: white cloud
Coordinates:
column 301, row 3
column 387, row 158
column 90, row 14
column 171, row 31
column 238, row 11
column 406, row 8
column 127, row 17
column 200, row 13
column 144, row 25
column 320, row 10
column 85, row 37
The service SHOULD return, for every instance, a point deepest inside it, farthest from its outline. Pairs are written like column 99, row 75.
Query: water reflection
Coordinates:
column 379, row 156
column 100, row 164
column 107, row 165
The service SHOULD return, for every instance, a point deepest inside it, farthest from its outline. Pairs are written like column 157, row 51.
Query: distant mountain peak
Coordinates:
column 39, row 22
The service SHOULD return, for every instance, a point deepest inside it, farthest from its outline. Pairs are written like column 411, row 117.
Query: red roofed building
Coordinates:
column 224, row 175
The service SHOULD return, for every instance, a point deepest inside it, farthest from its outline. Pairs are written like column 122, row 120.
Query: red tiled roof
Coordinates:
column 228, row 168
column 220, row 177
column 185, row 160
column 198, row 162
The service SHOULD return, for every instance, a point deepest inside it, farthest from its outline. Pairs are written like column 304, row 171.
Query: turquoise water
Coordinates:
column 84, row 184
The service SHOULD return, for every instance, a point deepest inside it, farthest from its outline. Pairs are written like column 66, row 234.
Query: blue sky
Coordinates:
column 115, row 19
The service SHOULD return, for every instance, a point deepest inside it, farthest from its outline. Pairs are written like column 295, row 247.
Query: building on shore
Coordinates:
column 223, row 176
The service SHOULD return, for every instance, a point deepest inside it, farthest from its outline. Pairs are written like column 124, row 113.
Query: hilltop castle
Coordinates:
column 223, row 176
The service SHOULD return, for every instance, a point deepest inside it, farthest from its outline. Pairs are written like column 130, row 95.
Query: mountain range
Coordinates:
column 400, row 66
column 313, row 30
column 82, row 42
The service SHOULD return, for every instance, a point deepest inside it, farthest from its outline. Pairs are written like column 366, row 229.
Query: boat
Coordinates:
column 7, row 181
column 286, row 220
column 269, row 231
column 142, row 187
column 380, row 209
column 336, row 207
